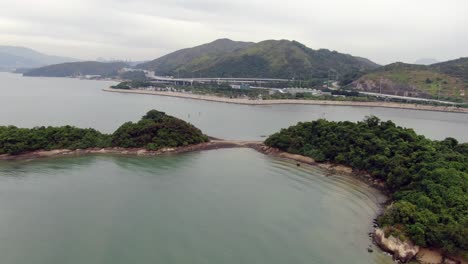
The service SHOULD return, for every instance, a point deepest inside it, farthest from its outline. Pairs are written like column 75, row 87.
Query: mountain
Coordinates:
column 426, row 61
column 456, row 68
column 129, row 62
column 12, row 57
column 445, row 80
column 78, row 68
column 173, row 62
column 269, row 59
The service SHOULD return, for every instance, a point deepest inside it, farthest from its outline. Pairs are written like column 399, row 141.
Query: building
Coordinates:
column 240, row 86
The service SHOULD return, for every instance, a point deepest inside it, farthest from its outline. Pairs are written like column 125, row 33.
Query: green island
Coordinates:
column 154, row 131
column 427, row 180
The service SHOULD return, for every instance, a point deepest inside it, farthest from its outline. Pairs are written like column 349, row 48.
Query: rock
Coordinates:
column 402, row 251
column 449, row 261
column 141, row 152
column 429, row 256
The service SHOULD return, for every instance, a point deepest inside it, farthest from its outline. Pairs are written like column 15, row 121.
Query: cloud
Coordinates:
column 382, row 30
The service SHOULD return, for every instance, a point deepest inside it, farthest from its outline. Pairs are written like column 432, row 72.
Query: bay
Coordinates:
column 34, row 101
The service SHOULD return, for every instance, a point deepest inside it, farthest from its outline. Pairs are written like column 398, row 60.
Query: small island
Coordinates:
column 155, row 131
column 427, row 181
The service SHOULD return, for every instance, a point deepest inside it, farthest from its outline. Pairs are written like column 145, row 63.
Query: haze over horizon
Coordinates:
column 383, row 31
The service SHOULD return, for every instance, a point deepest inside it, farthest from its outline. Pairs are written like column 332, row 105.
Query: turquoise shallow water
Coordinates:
column 221, row 206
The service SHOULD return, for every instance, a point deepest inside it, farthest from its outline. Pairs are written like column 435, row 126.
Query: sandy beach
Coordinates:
column 295, row 102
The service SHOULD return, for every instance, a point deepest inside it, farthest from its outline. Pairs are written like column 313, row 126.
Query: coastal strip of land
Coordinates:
column 293, row 102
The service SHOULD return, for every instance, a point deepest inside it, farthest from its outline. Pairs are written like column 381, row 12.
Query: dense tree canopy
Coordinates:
column 15, row 140
column 428, row 179
column 154, row 131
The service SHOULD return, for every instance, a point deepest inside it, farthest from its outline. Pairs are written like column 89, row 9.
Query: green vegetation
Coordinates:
column 133, row 75
column 154, row 131
column 428, row 180
column 456, row 68
column 133, row 85
column 270, row 58
column 203, row 54
column 79, row 68
column 15, row 140
column 157, row 130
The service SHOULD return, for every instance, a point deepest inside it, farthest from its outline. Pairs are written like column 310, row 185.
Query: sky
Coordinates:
column 384, row 31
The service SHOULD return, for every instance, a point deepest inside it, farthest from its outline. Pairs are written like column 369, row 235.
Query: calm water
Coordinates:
column 222, row 206
column 226, row 206
column 30, row 101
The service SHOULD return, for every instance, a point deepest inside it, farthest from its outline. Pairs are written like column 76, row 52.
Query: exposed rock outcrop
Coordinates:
column 403, row 251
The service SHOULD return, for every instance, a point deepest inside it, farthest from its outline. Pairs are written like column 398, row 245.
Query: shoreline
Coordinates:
column 142, row 152
column 240, row 101
column 423, row 255
column 211, row 145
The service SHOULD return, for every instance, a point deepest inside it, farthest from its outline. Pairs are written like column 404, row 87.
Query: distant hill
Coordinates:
column 456, row 68
column 426, row 61
column 445, row 80
column 129, row 62
column 270, row 58
column 12, row 57
column 78, row 68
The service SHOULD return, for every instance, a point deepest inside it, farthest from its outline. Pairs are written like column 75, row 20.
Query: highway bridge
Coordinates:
column 167, row 79
column 409, row 98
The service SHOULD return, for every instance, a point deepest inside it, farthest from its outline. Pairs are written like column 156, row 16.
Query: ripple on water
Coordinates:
column 220, row 206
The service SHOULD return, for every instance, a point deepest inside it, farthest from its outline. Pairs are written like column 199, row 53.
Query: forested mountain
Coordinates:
column 78, row 68
column 180, row 59
column 456, row 68
column 445, row 80
column 12, row 57
column 270, row 58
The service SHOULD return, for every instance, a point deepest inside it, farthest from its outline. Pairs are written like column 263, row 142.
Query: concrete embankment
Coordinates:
column 293, row 102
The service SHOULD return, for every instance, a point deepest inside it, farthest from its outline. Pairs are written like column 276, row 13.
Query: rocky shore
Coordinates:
column 402, row 251
column 406, row 251
column 296, row 102
column 213, row 144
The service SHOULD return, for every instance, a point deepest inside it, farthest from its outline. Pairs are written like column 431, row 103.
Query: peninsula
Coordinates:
column 247, row 101
column 427, row 180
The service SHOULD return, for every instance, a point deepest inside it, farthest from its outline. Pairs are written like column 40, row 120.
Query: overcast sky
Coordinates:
column 381, row 30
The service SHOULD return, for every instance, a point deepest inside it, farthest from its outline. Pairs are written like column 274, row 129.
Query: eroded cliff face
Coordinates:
column 388, row 86
column 403, row 251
